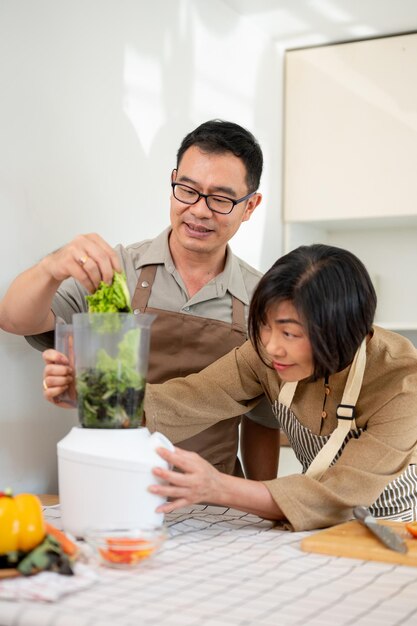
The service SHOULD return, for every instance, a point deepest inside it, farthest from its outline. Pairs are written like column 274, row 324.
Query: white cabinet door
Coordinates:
column 351, row 130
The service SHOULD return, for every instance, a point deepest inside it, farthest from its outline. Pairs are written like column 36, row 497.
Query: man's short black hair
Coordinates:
column 333, row 294
column 219, row 136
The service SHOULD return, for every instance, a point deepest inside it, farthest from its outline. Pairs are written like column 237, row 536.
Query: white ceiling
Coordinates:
column 292, row 23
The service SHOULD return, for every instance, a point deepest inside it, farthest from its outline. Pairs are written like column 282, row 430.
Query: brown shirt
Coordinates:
column 386, row 409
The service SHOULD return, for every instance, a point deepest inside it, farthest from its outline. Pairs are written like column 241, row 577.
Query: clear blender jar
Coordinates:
column 105, row 464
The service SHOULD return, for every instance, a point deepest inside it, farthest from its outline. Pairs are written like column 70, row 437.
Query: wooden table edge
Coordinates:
column 48, row 499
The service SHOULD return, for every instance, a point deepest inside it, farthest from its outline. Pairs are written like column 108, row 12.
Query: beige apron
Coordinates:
column 185, row 344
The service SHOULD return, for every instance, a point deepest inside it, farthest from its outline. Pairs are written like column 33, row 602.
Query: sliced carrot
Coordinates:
column 125, row 541
column 125, row 556
column 68, row 546
column 412, row 528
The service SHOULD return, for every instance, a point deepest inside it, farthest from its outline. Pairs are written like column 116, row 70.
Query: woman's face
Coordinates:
column 286, row 342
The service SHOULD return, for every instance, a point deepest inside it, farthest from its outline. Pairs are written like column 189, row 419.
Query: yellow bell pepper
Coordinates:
column 22, row 526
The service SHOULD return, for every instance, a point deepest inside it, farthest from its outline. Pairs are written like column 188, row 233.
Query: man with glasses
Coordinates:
column 187, row 275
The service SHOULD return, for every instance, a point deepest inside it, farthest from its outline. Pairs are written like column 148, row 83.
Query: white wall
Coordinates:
column 96, row 97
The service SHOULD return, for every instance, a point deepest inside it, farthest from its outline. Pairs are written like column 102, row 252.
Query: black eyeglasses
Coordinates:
column 218, row 204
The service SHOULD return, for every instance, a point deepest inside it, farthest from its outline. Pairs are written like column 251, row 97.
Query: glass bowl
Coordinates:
column 125, row 548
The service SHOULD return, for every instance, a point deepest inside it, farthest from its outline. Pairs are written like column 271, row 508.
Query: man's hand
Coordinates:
column 87, row 258
column 26, row 306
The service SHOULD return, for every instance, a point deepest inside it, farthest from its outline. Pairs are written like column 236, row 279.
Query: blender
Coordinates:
column 105, row 464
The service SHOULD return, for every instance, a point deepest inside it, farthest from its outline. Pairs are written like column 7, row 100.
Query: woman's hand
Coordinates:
column 58, row 379
column 197, row 480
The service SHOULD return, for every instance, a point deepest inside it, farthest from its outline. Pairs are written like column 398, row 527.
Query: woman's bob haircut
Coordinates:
column 333, row 295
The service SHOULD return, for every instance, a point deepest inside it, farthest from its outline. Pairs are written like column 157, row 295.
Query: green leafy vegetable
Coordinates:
column 113, row 298
column 111, row 394
column 48, row 555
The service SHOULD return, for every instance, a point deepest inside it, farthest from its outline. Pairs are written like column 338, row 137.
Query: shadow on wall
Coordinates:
column 159, row 105
column 268, row 116
column 30, row 427
column 73, row 161
column 99, row 97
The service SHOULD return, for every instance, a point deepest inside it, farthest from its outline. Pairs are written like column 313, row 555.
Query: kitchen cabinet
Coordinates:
column 350, row 148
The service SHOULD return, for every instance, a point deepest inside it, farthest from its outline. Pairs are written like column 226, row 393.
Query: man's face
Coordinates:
column 195, row 227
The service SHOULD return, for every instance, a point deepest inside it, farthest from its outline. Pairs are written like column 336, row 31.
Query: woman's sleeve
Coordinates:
column 183, row 407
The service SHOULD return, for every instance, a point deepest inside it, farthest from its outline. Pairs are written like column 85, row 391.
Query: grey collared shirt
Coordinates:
column 169, row 293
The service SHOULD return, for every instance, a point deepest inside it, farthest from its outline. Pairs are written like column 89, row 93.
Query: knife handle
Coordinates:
column 360, row 513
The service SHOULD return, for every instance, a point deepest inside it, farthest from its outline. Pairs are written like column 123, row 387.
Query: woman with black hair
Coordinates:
column 343, row 391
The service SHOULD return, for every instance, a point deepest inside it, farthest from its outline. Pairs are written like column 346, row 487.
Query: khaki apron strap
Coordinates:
column 286, row 394
column 346, row 416
column 144, row 288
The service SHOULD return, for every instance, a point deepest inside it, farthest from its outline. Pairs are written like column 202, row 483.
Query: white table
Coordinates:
column 221, row 567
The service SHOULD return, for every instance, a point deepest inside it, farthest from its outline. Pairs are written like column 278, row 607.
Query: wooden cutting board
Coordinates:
column 354, row 541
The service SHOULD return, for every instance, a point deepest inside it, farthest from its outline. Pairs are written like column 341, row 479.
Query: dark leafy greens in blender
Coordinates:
column 111, row 394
